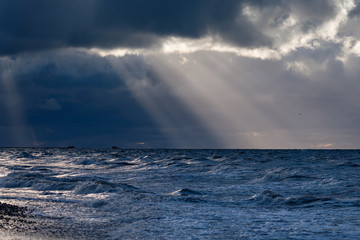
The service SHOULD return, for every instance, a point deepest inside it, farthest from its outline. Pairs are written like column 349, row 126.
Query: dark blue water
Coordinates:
column 180, row 194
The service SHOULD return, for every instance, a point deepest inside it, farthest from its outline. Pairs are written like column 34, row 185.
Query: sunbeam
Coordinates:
column 223, row 96
column 155, row 94
column 14, row 108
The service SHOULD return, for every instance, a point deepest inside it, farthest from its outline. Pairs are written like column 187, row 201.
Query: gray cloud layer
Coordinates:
column 42, row 24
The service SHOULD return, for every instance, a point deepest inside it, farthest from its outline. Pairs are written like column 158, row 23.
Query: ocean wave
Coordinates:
column 267, row 197
column 270, row 198
column 285, row 174
column 186, row 192
column 348, row 164
column 101, row 186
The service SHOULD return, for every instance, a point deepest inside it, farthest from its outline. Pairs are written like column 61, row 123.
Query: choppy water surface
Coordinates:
column 180, row 194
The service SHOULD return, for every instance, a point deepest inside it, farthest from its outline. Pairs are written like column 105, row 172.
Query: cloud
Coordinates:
column 325, row 145
column 355, row 12
column 265, row 30
column 39, row 25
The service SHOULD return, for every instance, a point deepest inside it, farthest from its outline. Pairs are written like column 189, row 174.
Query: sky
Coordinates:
column 180, row 74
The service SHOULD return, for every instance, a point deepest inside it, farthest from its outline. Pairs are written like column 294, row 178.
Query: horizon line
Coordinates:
column 174, row 148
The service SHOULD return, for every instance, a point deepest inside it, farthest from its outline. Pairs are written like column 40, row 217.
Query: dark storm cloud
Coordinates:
column 42, row 24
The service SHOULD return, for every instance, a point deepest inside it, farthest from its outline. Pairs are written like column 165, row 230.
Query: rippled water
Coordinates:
column 180, row 194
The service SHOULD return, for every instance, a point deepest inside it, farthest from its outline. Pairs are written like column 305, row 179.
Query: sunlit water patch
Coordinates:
column 179, row 194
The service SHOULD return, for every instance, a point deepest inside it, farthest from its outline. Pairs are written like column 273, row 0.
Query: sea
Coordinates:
column 78, row 193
